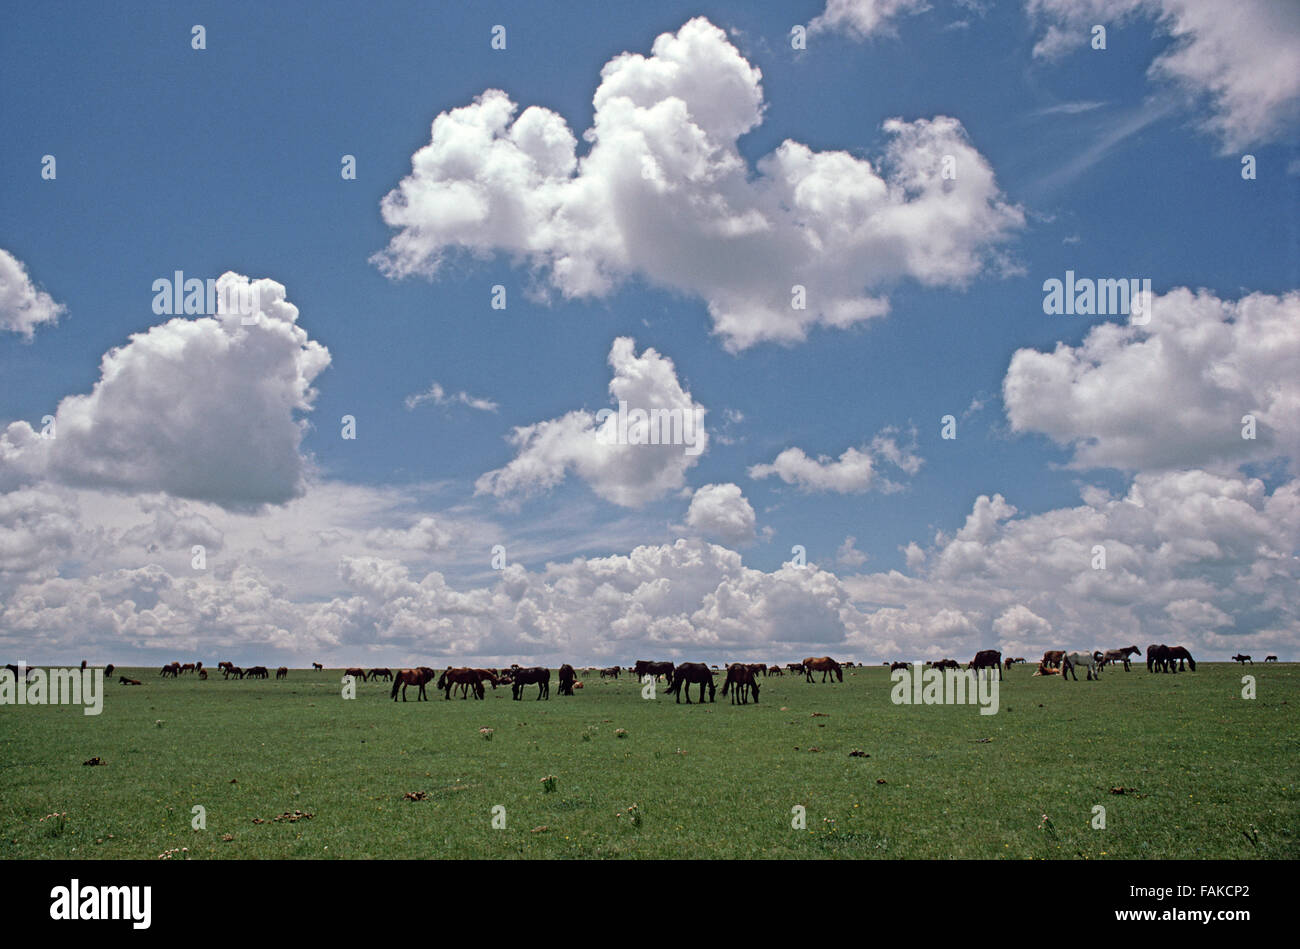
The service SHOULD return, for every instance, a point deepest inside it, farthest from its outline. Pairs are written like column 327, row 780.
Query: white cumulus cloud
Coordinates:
column 197, row 408
column 664, row 194
column 22, row 306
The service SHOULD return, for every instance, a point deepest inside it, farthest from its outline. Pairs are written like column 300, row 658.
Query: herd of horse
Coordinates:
column 740, row 682
column 1160, row 658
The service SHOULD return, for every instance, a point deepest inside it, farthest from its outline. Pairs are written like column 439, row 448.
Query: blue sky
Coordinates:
column 228, row 158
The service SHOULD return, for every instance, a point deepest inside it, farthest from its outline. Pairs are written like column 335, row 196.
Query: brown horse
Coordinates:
column 1266, row 659
column 203, row 674
column 822, row 664
column 125, row 681
column 1243, row 659
column 567, row 678
column 172, row 669
column 281, row 673
column 317, row 665
column 1164, row 658
column 692, row 673
column 539, row 676
column 356, row 673
column 464, row 677
column 610, row 673
column 257, row 672
column 235, row 671
column 987, row 659
column 188, row 667
column 418, row 677
column 744, row 680
column 775, row 671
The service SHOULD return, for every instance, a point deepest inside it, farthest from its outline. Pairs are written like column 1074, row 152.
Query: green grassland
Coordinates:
column 1204, row 773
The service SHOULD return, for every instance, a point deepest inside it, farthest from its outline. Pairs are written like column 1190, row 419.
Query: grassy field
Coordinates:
column 1205, row 773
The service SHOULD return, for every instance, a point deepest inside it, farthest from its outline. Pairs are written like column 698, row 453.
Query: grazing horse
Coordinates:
column 987, row 659
column 1157, row 657
column 1243, row 659
column 1052, row 658
column 1120, row 655
column 824, row 665
column 1179, row 655
column 756, row 668
column 381, row 673
column 125, row 681
column 610, row 673
column 794, row 666
column 743, row 678
column 203, row 674
column 1087, row 660
column 567, row 678
column 691, row 673
column 356, row 673
column 492, row 677
column 534, row 675
column 108, row 669
column 281, row 673
column 1266, row 659
column 235, row 671
column 897, row 665
column 947, row 664
column 257, row 672
column 656, row 669
column 172, row 669
column 317, row 665
column 461, row 676
column 418, row 677
column 188, row 667
column 775, row 671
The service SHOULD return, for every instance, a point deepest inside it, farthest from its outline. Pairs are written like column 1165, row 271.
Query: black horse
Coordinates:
column 743, row 679
column 644, row 668
column 535, row 675
column 567, row 678
column 692, row 673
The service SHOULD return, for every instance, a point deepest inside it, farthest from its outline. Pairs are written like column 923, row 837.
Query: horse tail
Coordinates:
column 397, row 680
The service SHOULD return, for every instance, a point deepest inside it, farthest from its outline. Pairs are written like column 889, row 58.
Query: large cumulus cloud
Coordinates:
column 1173, row 392
column 197, row 408
column 664, row 194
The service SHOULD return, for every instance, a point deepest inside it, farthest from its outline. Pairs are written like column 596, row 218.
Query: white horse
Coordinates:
column 1087, row 660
